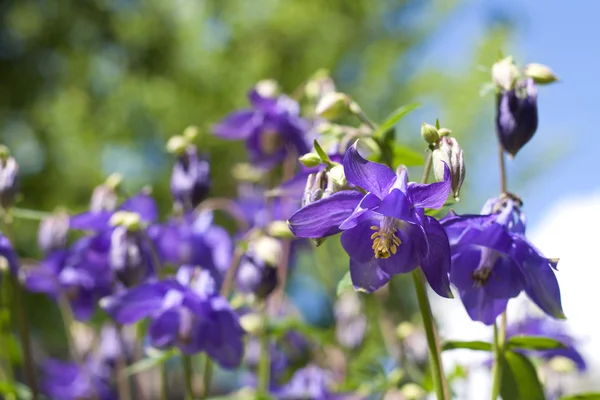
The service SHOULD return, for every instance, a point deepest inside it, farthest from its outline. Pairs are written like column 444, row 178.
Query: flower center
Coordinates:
column 385, row 241
column 486, row 265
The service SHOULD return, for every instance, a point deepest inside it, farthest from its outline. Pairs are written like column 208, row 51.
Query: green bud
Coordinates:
column 337, row 175
column 504, row 73
column 4, row 152
column 540, row 73
column 333, row 105
column 369, row 146
column 252, row 323
column 562, row 364
column 177, row 144
column 444, row 132
column 190, row 133
column 114, row 180
column 132, row 221
column 310, row 160
column 404, row 330
column 429, row 133
column 412, row 391
column 280, row 230
column 267, row 88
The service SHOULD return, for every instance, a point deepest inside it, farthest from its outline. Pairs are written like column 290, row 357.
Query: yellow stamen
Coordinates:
column 385, row 241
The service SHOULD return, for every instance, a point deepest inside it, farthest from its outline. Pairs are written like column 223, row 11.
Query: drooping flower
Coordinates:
column 492, row 262
column 70, row 381
column 271, row 127
column 190, row 179
column 385, row 231
column 517, row 115
column 186, row 312
column 546, row 327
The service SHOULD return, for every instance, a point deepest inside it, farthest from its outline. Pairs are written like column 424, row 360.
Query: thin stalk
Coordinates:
column 22, row 320
column 187, row 373
column 33, row 215
column 123, row 380
column 206, row 377
column 356, row 110
column 264, row 363
column 433, row 343
column 164, row 382
column 503, row 184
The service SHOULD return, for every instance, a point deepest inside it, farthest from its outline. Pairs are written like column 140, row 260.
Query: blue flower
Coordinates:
column 190, row 178
column 385, row 231
column 186, row 312
column 492, row 262
column 70, row 381
column 271, row 127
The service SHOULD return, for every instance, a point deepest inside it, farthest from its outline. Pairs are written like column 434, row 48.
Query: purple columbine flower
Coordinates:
column 271, row 127
column 385, row 231
column 69, row 381
column 546, row 327
column 310, row 382
column 492, row 262
column 517, row 115
column 190, row 179
column 186, row 312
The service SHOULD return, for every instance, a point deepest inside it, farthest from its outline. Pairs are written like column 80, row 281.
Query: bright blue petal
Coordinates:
column 93, row 221
column 396, row 205
column 137, row 303
column 164, row 328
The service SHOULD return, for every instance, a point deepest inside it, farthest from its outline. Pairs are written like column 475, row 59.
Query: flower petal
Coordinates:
column 373, row 177
column 142, row 204
column 89, row 220
column 358, row 243
column 431, row 195
column 238, row 125
column 396, row 205
column 465, row 259
column 482, row 307
column 362, row 212
column 164, row 328
column 367, row 276
column 322, row 218
column 436, row 262
column 137, row 303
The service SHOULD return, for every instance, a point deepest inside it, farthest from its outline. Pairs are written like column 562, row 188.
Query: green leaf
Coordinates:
column 407, row 156
column 582, row 396
column 344, row 284
column 394, row 117
column 519, row 379
column 150, row 362
column 534, row 343
column 473, row 345
column 17, row 389
column 321, row 153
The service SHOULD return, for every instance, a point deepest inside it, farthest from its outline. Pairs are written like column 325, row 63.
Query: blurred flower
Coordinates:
column 351, row 323
column 492, row 262
column 186, row 312
column 546, row 327
column 11, row 260
column 385, row 231
column 9, row 178
column 69, row 381
column 104, row 196
column 52, row 233
column 517, row 115
column 271, row 127
column 190, row 179
column 257, row 273
column 312, row 383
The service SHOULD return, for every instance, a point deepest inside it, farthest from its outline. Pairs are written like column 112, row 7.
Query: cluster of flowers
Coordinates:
column 178, row 273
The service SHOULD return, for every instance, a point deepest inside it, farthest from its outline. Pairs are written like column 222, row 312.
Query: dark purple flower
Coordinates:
column 52, row 233
column 256, row 275
column 517, row 115
column 9, row 178
column 385, row 231
column 69, row 381
column 492, row 262
column 271, row 128
column 546, row 327
column 187, row 313
column 190, row 179
column 195, row 240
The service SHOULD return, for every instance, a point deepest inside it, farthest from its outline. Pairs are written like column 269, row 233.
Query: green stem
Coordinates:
column 24, row 213
column 357, row 110
column 206, row 377
column 264, row 363
column 164, row 382
column 187, row 372
column 433, row 343
column 499, row 339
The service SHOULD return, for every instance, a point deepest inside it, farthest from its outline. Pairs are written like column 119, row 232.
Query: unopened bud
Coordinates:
column 52, row 233
column 190, row 178
column 177, row 144
column 104, row 197
column 505, row 73
column 268, row 249
column 252, row 323
column 404, row 330
column 562, row 364
column 280, row 230
column 333, row 105
column 9, row 178
column 310, row 160
column 540, row 73
column 429, row 133
column 444, row 132
column 450, row 153
column 257, row 273
column 128, row 258
column 337, row 175
column 319, row 85
column 267, row 88
column 191, row 133
column 412, row 391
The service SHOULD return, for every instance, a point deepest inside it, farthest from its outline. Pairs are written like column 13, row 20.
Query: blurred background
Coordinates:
column 93, row 87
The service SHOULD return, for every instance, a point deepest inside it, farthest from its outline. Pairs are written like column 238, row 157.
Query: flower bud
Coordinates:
column 333, row 105
column 267, row 88
column 190, row 178
column 323, row 184
column 280, row 230
column 52, row 232
column 128, row 257
column 449, row 152
column 190, row 133
column 310, row 160
column 104, row 196
column 177, row 144
column 429, row 133
column 540, row 73
column 504, row 73
column 319, row 85
column 256, row 275
column 9, row 178
column 517, row 116
column 444, row 132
